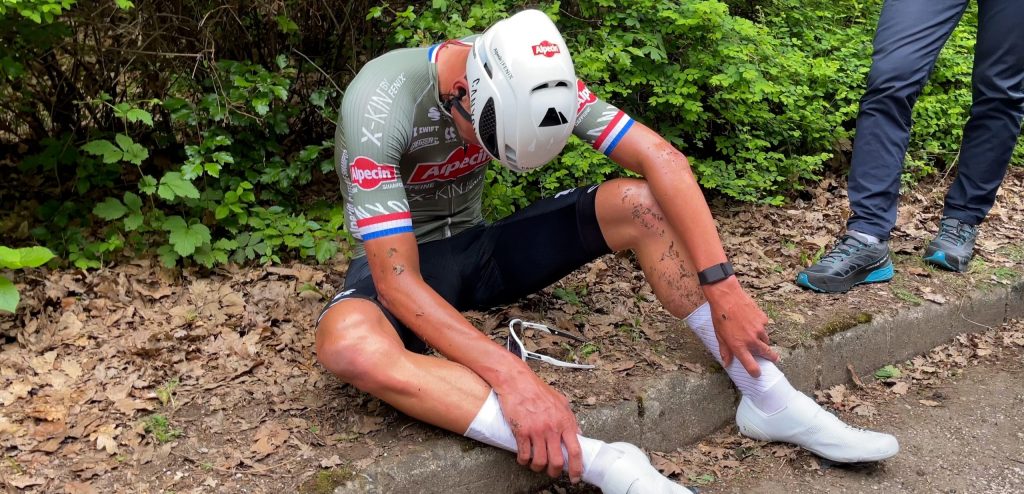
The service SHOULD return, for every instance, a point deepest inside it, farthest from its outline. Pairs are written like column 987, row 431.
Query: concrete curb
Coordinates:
column 680, row 408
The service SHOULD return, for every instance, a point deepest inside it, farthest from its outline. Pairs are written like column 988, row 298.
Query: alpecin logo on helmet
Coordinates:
column 368, row 175
column 546, row 48
column 459, row 163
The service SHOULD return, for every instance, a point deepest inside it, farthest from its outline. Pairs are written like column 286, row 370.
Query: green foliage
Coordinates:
column 888, row 372
column 28, row 257
column 210, row 145
column 160, row 429
column 39, row 11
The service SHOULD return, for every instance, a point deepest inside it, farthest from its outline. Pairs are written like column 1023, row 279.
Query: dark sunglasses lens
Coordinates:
column 514, row 347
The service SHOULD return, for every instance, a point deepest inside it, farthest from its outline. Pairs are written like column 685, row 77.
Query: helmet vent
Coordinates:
column 487, row 68
column 489, row 128
column 553, row 118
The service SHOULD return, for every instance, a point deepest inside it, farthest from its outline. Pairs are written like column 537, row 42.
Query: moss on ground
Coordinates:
column 326, row 481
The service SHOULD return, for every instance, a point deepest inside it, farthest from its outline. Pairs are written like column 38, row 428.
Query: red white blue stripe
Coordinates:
column 432, row 52
column 613, row 133
column 384, row 225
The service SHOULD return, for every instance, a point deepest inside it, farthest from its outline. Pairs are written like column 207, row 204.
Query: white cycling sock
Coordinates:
column 490, row 427
column 769, row 393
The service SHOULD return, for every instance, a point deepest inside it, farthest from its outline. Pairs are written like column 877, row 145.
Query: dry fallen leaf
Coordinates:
column 900, row 388
column 330, row 462
column 929, row 403
column 23, row 481
column 938, row 298
column 269, row 436
column 78, row 488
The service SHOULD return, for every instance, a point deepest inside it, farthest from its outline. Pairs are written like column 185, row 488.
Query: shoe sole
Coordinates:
column 940, row 259
column 842, row 285
column 755, row 433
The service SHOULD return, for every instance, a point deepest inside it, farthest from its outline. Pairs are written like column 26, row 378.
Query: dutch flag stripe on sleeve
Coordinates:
column 613, row 133
column 432, row 53
column 384, row 225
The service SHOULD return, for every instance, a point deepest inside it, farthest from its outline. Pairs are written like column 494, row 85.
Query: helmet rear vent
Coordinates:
column 489, row 128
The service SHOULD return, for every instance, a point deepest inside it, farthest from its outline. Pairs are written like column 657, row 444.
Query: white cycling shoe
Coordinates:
column 633, row 474
column 804, row 423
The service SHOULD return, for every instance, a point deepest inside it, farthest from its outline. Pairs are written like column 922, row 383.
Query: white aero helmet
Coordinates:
column 522, row 90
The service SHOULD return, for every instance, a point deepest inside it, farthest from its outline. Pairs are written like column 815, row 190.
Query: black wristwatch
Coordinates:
column 715, row 273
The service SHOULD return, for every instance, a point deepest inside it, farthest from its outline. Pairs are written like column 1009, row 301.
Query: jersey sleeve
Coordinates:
column 600, row 124
column 372, row 133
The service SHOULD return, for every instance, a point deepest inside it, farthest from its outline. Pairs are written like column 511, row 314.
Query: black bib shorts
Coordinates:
column 495, row 264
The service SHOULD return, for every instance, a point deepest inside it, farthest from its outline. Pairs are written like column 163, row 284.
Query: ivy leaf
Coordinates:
column 28, row 257
column 133, row 201
column 173, row 185
column 133, row 221
column 147, row 185
column 134, row 152
column 325, row 249
column 110, row 209
column 186, row 238
column 168, row 257
column 139, row 115
column 8, row 295
column 105, row 149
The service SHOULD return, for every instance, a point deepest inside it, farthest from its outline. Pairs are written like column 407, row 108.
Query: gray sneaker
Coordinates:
column 953, row 247
column 850, row 263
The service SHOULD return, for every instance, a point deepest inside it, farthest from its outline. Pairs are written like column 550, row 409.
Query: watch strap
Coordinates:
column 715, row 273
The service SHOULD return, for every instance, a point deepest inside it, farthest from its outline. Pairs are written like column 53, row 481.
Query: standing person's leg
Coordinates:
column 771, row 409
column 907, row 42
column 990, row 134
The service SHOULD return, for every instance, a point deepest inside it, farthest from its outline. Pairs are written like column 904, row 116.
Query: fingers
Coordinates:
column 523, row 446
column 765, row 351
column 763, row 336
column 748, row 362
column 540, row 454
column 575, row 453
column 555, row 459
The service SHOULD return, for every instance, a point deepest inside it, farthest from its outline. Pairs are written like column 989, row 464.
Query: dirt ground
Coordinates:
column 133, row 378
column 957, row 411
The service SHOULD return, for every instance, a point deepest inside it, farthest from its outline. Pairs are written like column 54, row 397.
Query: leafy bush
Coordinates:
column 211, row 141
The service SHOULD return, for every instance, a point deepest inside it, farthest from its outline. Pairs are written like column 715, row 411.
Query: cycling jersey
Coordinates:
column 403, row 166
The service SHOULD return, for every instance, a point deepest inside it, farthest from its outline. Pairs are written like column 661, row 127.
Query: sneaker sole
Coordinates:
column 939, row 258
column 841, row 285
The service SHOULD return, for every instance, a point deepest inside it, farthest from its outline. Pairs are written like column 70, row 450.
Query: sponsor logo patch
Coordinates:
column 368, row 175
column 585, row 97
column 458, row 164
column 546, row 48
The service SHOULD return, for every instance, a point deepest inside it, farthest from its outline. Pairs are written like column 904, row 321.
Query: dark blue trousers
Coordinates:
column 908, row 40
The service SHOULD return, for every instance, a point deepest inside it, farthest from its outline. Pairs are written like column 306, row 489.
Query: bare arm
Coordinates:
column 539, row 415
column 739, row 322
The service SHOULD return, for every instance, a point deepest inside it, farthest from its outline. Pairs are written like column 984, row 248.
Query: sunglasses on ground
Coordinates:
column 515, row 344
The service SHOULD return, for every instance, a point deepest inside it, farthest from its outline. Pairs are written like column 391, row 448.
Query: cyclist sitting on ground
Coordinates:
column 416, row 132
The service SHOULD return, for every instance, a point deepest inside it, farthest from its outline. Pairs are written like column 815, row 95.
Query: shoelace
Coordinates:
column 956, row 231
column 845, row 248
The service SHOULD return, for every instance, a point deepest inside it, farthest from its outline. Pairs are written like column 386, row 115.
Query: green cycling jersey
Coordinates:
column 403, row 166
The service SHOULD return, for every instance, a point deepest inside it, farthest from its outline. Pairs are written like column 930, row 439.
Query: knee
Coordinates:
column 643, row 209
column 894, row 79
column 351, row 344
